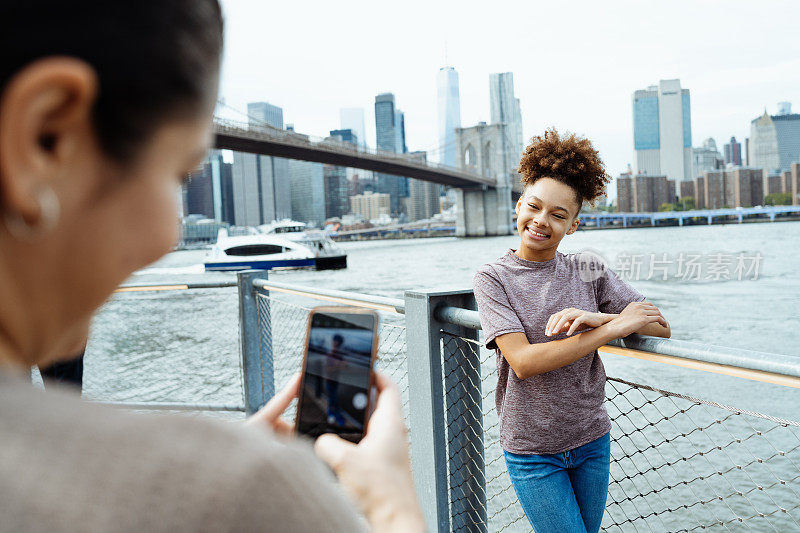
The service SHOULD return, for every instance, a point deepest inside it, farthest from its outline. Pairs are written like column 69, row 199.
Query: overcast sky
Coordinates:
column 575, row 63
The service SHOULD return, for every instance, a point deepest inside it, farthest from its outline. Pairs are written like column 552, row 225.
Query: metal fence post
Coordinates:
column 464, row 415
column 255, row 346
column 446, row 433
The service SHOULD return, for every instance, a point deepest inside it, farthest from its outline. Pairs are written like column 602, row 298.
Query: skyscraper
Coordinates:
column 400, row 132
column 246, row 190
column 199, row 193
column 390, row 134
column 352, row 118
column 385, row 122
column 423, row 195
column 261, row 183
column 400, row 120
column 208, row 193
column 217, row 170
column 733, row 153
column 706, row 158
column 337, row 188
column 263, row 113
column 449, row 106
column 662, row 130
column 337, row 201
column 505, row 109
column 347, row 135
column 775, row 140
column 308, row 192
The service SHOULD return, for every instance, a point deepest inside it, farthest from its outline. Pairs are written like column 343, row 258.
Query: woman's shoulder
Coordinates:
column 160, row 469
column 76, row 428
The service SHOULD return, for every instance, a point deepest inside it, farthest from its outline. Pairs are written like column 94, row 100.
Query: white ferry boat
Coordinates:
column 280, row 245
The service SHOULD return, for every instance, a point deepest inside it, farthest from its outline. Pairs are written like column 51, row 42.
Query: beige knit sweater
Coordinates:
column 67, row 465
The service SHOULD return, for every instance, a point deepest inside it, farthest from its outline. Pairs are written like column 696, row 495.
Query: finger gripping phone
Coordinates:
column 341, row 346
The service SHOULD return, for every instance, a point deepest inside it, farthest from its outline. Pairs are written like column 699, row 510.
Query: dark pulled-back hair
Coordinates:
column 570, row 159
column 154, row 59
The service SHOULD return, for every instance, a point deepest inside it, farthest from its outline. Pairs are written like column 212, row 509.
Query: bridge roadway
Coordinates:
column 266, row 140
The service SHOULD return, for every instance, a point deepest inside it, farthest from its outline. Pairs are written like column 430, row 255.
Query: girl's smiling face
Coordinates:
column 546, row 211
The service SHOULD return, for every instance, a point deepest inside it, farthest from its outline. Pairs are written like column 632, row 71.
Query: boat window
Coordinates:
column 254, row 249
column 288, row 229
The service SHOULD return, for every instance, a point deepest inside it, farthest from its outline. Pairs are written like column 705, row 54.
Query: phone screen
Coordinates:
column 335, row 391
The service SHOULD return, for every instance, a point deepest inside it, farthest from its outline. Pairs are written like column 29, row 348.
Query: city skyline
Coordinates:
column 582, row 84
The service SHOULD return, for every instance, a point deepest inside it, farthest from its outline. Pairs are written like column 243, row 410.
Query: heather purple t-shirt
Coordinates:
column 562, row 409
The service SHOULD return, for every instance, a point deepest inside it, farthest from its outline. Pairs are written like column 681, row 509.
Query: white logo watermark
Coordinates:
column 591, row 265
column 684, row 266
column 688, row 266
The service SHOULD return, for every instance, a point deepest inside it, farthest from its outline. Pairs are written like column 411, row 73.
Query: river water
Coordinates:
column 182, row 346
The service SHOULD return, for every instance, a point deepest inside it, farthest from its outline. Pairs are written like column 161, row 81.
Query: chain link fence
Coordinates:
column 282, row 325
column 503, row 512
column 678, row 463
column 681, row 463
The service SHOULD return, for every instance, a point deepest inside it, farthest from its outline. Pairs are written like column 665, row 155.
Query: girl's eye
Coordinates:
column 533, row 206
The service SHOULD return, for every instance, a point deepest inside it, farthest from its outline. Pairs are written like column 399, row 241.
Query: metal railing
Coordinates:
column 679, row 462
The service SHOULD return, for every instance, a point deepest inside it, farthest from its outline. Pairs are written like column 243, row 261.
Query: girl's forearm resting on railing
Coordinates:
column 655, row 330
column 528, row 359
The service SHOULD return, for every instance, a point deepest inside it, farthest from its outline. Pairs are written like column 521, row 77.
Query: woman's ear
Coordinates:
column 45, row 115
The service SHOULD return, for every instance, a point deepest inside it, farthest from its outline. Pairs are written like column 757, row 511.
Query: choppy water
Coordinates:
column 183, row 346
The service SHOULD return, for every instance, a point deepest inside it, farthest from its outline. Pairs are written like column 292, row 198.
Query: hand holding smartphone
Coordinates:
column 337, row 377
column 334, row 399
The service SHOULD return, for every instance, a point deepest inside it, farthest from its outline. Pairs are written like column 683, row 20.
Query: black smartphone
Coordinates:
column 341, row 346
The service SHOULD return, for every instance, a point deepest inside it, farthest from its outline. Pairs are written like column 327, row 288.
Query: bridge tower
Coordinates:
column 483, row 210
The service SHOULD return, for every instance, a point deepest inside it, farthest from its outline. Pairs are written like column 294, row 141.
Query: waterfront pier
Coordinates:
column 680, row 461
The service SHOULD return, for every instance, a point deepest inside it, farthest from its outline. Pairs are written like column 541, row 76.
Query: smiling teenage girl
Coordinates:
column 546, row 313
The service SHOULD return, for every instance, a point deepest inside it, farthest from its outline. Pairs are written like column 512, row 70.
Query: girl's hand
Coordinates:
column 634, row 317
column 270, row 415
column 570, row 319
column 376, row 472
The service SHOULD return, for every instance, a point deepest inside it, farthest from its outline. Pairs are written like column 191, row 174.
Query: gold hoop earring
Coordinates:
column 49, row 212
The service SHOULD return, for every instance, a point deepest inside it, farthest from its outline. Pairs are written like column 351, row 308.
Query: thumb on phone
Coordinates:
column 332, row 449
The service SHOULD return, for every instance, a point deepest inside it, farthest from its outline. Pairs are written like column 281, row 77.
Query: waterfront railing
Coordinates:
column 679, row 462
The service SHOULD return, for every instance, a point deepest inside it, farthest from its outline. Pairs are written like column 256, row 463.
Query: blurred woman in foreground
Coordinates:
column 104, row 107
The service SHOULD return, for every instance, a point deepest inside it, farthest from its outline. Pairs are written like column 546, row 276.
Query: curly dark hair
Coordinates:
column 570, row 159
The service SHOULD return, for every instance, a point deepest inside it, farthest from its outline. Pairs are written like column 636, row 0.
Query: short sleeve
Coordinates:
column 613, row 293
column 497, row 315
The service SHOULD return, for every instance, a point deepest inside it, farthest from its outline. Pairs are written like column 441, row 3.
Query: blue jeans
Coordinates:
column 563, row 492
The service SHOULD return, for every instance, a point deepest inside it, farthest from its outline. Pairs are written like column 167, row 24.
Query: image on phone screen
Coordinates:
column 337, row 376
